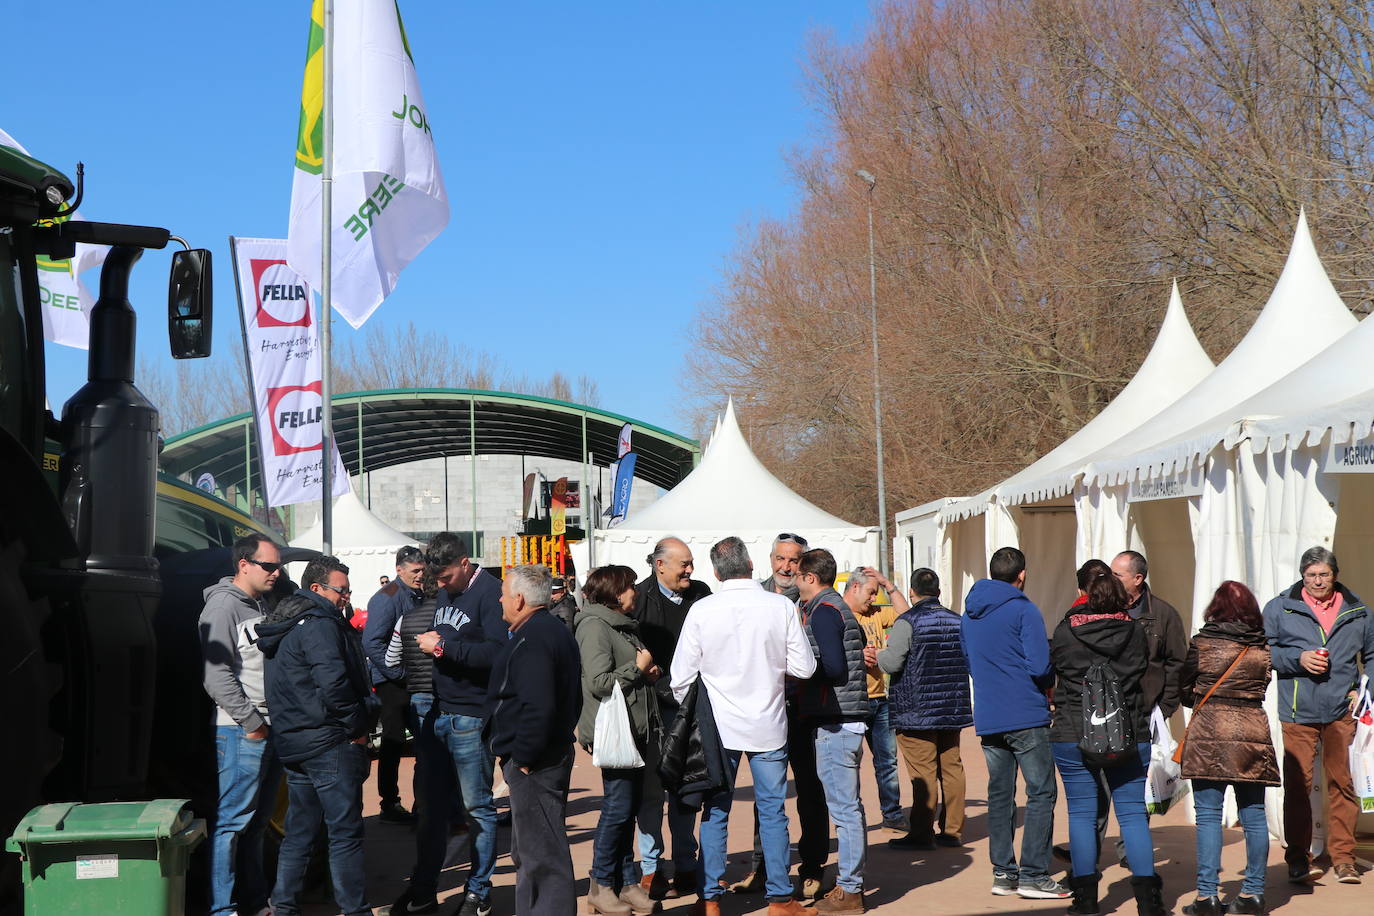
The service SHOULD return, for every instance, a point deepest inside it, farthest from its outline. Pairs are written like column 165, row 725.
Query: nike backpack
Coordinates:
column 1108, row 730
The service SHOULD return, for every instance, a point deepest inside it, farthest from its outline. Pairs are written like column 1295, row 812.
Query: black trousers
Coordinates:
column 814, row 846
column 395, row 702
column 539, row 839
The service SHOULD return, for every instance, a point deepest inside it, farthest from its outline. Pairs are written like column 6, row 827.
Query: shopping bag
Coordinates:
column 1362, row 747
column 1163, row 783
column 613, row 744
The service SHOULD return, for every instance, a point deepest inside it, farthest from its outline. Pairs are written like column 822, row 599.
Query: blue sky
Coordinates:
column 600, row 159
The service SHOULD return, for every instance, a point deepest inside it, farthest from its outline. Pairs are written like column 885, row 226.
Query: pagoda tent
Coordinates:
column 366, row 545
column 1034, row 507
column 731, row 493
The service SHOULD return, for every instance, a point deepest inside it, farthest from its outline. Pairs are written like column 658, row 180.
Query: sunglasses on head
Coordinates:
column 268, row 568
column 791, row 539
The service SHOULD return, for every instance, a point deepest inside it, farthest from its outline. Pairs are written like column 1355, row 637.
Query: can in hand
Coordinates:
column 1323, row 653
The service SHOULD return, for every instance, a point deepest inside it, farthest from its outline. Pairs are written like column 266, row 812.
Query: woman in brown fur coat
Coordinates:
column 1228, row 742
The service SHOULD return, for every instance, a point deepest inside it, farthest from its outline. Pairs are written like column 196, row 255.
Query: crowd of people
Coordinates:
column 668, row 683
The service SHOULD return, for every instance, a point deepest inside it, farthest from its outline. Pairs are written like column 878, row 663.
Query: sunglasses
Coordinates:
column 337, row 590
column 791, row 539
column 268, row 568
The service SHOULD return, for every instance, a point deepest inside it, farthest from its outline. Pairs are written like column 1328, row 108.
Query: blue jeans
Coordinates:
column 882, row 742
column 1208, row 796
column 838, row 754
column 682, row 822
column 613, row 854
column 249, row 774
column 1026, row 749
column 471, row 762
column 327, row 790
column 436, row 796
column 769, row 769
column 1127, row 785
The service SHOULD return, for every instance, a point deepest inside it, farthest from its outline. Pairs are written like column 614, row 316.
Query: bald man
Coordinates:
column 661, row 604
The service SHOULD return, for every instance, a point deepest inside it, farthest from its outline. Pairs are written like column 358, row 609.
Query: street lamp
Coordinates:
column 867, row 178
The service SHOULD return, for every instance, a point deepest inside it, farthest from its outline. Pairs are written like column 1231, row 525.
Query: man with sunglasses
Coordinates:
column 248, row 767
column 787, row 551
column 390, row 604
column 318, row 685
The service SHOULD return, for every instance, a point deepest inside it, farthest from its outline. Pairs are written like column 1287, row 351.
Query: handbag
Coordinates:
column 1178, row 751
column 1164, row 784
column 613, row 741
column 1362, row 747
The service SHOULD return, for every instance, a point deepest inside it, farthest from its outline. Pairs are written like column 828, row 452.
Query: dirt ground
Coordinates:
column 943, row 882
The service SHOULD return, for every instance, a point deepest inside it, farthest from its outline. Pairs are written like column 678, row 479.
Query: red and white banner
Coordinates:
column 281, row 333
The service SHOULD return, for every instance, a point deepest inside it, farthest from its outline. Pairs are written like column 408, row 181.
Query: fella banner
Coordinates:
column 278, row 313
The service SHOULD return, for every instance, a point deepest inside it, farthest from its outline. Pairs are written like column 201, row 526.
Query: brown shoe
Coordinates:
column 788, row 908
column 639, row 900
column 811, row 888
column 604, row 901
column 706, row 908
column 750, row 885
column 840, row 902
column 656, row 884
column 684, row 885
column 1347, row 873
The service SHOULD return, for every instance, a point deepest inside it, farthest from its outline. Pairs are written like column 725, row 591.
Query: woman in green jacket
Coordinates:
column 613, row 654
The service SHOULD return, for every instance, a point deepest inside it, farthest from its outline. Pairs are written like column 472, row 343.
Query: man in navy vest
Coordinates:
column 928, row 704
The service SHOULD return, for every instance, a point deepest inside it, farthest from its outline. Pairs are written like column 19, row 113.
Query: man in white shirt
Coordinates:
column 743, row 642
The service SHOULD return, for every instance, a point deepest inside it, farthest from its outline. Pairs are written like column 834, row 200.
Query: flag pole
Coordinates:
column 326, row 291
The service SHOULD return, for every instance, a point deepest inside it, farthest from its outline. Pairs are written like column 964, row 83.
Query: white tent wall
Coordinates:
column 366, row 545
column 920, row 541
column 968, row 559
column 1048, row 536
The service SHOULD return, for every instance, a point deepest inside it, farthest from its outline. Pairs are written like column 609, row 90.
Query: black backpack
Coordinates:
column 1108, row 724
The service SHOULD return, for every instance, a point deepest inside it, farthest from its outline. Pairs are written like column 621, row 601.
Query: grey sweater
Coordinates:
column 233, row 673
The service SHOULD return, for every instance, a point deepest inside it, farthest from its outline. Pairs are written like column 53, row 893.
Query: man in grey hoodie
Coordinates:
column 248, row 767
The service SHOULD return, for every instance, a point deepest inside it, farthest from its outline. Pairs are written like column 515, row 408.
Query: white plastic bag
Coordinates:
column 613, row 745
column 1362, row 747
column 1163, row 783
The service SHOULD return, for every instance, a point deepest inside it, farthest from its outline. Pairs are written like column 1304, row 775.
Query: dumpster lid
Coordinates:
column 73, row 822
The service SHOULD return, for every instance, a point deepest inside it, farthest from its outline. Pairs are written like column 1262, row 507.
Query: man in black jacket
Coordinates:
column 322, row 708
column 661, row 605
column 536, row 699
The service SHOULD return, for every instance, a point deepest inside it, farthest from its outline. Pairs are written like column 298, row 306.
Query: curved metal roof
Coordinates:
column 378, row 429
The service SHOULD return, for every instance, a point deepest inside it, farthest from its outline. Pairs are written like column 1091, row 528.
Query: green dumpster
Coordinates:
column 113, row 858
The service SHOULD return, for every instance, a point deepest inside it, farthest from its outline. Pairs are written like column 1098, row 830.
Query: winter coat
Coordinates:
column 417, row 664
column 1166, row 644
column 389, row 605
column 1292, row 629
column 693, row 764
column 608, row 641
column 660, row 625
column 1082, row 639
column 233, row 664
column 838, row 691
column 536, row 695
column 1003, row 636
column 929, row 689
column 1228, row 738
column 317, row 680
column 565, row 609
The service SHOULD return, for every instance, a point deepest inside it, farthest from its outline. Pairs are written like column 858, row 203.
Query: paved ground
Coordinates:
column 944, row 882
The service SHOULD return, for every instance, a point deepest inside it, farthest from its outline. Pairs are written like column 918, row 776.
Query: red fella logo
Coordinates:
column 283, row 301
column 296, row 411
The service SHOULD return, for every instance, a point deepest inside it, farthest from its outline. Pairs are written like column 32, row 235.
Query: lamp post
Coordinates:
column 867, row 178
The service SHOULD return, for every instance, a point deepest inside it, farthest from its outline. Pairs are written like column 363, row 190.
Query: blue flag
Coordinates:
column 624, row 480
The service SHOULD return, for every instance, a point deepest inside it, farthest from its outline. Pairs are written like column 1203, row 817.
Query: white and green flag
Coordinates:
column 67, row 302
column 388, row 199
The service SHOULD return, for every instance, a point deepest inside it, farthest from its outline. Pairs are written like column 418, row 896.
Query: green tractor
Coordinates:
column 79, row 575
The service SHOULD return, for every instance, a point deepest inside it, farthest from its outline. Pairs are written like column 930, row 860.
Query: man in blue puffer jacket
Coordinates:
column 1008, row 655
column 930, row 705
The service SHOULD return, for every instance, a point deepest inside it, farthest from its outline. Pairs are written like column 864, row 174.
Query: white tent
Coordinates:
column 1175, row 364
column 731, row 493
column 366, row 545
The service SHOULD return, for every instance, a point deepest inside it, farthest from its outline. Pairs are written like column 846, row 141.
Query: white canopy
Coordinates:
column 1175, row 364
column 1304, row 316
column 366, row 544
column 731, row 493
